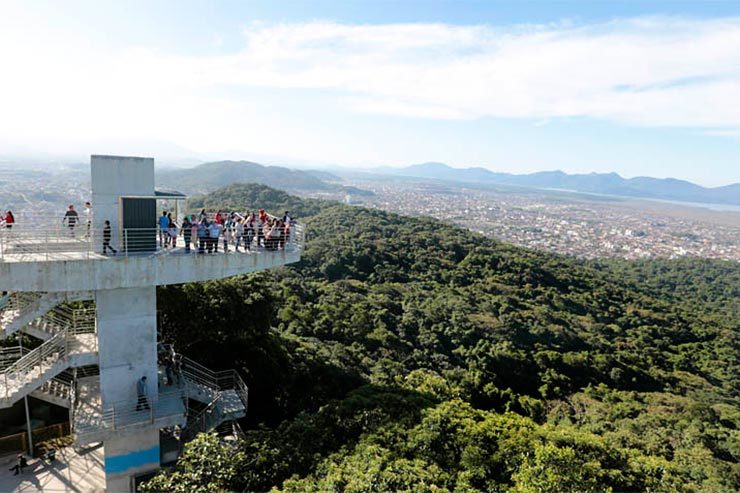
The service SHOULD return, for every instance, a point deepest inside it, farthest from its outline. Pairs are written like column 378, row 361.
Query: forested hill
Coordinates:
column 404, row 354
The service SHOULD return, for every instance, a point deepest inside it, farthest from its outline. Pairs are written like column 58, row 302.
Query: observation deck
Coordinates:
column 51, row 259
column 86, row 289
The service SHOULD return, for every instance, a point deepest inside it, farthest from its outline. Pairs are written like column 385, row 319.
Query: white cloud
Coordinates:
column 646, row 71
column 654, row 71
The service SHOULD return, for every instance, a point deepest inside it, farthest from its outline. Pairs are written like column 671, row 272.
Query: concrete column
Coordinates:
column 126, row 456
column 127, row 348
column 127, row 341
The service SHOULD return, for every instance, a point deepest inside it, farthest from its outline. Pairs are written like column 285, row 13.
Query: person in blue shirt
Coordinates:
column 164, row 228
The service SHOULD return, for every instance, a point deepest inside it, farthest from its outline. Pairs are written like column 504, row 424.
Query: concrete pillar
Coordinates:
column 127, row 348
column 126, row 456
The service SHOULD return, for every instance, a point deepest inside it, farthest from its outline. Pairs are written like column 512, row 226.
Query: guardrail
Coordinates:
column 9, row 355
column 60, row 243
column 126, row 414
column 33, row 364
column 63, row 317
column 18, row 304
column 218, row 381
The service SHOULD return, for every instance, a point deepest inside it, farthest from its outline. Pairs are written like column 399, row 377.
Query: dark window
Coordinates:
column 139, row 225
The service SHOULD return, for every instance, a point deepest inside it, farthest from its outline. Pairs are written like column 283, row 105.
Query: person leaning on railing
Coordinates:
column 8, row 220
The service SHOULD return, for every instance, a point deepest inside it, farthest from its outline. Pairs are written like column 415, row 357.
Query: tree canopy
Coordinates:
column 405, row 354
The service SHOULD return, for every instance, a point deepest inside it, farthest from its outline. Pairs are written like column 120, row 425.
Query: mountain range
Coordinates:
column 602, row 183
column 209, row 176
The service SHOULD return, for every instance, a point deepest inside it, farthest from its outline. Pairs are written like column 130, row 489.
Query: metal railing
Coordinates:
column 63, row 317
column 125, row 414
column 35, row 364
column 17, row 305
column 217, row 381
column 9, row 355
column 61, row 244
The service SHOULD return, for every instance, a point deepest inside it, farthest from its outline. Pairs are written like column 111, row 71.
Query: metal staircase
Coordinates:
column 22, row 308
column 224, row 392
column 75, row 346
column 54, row 391
column 59, row 319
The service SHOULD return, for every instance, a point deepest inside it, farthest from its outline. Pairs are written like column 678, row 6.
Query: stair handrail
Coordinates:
column 199, row 374
column 18, row 300
column 9, row 355
column 241, row 390
column 63, row 317
column 198, row 422
column 59, row 346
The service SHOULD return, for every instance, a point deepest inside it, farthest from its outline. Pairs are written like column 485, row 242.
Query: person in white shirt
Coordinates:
column 88, row 218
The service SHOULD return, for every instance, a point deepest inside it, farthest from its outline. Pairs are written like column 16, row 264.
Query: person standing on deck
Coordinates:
column 142, row 392
column 172, row 231
column 164, row 228
column 72, row 218
column 106, row 239
column 88, row 218
column 187, row 232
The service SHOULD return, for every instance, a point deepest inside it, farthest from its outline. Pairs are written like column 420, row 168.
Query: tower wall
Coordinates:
column 113, row 177
column 126, row 323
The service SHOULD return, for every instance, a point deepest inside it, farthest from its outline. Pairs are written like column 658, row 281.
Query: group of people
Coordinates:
column 204, row 232
column 246, row 230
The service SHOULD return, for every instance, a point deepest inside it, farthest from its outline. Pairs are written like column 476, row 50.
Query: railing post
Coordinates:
column 125, row 242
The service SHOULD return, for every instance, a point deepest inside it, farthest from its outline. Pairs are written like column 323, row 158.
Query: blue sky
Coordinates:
column 640, row 88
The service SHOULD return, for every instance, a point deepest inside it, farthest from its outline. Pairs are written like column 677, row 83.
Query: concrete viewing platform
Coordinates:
column 84, row 270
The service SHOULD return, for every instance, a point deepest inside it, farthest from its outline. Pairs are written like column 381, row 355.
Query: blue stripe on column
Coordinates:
column 121, row 463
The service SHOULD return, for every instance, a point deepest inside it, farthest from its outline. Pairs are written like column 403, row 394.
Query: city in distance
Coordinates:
column 587, row 216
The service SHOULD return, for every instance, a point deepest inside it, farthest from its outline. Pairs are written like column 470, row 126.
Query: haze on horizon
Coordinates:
column 641, row 90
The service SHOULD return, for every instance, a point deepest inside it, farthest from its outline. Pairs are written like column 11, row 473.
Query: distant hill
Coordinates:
column 210, row 176
column 606, row 183
column 323, row 175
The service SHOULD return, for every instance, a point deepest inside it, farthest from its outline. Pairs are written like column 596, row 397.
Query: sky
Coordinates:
column 641, row 88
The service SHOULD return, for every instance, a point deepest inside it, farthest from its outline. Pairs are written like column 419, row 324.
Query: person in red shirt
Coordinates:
column 9, row 219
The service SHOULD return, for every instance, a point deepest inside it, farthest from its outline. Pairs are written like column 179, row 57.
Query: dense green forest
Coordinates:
column 405, row 354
